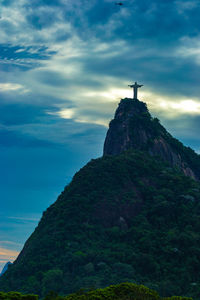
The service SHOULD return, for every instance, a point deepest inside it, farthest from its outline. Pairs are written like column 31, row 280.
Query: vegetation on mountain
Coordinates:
column 123, row 291
column 17, row 296
column 132, row 217
column 122, row 218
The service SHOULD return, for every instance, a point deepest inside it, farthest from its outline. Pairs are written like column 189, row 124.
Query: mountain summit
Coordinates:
column 134, row 128
column 131, row 215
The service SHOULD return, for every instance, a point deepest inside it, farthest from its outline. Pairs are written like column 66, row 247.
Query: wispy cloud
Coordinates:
column 28, row 219
column 10, row 87
column 10, row 243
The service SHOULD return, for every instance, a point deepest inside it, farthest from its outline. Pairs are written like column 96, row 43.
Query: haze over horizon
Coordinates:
column 64, row 67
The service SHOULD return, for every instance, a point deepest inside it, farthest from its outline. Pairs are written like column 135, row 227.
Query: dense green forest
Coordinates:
column 130, row 218
column 17, row 296
column 123, row 291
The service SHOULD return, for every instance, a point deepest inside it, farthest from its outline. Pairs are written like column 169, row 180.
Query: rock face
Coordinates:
column 133, row 127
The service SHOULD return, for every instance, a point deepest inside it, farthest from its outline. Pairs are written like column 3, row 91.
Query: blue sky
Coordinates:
column 64, row 66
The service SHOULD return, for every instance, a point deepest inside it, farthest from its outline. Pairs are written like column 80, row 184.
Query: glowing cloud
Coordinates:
column 66, row 113
column 4, row 87
column 7, row 255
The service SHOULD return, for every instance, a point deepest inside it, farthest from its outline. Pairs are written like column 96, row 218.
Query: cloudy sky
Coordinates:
column 64, row 66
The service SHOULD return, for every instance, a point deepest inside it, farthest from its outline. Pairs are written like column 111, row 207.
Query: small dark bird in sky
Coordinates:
column 118, row 3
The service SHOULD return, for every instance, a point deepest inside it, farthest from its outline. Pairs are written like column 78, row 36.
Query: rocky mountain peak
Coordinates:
column 133, row 127
column 122, row 135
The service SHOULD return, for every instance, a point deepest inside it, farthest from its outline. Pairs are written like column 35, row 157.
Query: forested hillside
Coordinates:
column 122, row 218
column 129, row 216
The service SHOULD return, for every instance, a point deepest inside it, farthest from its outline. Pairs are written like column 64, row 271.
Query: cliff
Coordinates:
column 134, row 128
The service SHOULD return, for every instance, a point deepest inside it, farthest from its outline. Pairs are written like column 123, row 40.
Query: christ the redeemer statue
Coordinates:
column 135, row 87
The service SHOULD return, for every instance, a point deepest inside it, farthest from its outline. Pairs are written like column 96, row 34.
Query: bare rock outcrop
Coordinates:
column 133, row 127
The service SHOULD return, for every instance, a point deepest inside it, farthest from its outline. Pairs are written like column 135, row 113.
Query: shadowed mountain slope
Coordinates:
column 124, row 217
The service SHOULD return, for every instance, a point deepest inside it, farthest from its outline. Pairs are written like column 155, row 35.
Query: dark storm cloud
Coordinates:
column 150, row 20
column 158, row 21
